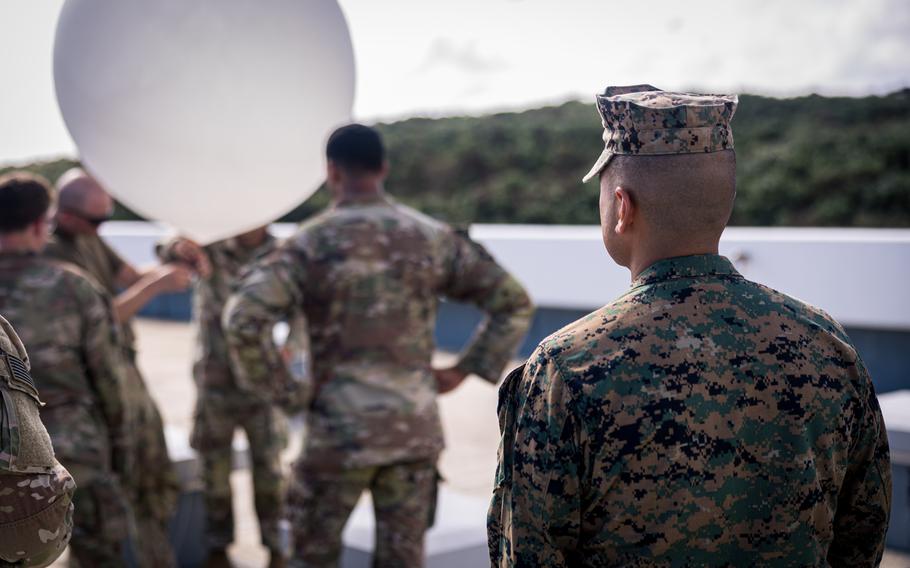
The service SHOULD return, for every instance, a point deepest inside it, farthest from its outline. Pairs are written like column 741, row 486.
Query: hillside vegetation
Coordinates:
column 808, row 161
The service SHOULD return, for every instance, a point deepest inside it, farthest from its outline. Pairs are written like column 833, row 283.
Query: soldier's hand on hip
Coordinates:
column 448, row 379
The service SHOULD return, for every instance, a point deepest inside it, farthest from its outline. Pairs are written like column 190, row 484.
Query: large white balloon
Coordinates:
column 210, row 115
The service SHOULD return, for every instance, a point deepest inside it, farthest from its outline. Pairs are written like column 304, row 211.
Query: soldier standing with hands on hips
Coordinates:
column 367, row 274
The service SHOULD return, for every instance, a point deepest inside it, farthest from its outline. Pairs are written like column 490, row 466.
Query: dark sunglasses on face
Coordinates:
column 93, row 221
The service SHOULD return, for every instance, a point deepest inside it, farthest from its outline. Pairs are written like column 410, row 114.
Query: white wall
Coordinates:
column 860, row 276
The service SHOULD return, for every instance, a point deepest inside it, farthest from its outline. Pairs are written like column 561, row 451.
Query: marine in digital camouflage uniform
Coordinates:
column 700, row 419
column 77, row 359
column 36, row 492
column 367, row 273
column 153, row 488
column 221, row 407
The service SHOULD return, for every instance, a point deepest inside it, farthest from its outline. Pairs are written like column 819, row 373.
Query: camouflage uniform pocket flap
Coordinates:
column 25, row 446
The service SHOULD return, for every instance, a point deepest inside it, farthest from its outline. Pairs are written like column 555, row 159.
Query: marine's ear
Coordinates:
column 625, row 210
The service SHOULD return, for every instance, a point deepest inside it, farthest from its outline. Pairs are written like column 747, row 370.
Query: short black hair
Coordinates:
column 24, row 199
column 356, row 148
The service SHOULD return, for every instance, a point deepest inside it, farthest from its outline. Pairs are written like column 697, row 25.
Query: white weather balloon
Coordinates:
column 210, row 115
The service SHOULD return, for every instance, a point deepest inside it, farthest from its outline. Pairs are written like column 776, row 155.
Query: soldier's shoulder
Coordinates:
column 419, row 218
column 797, row 310
column 66, row 276
column 10, row 342
column 576, row 344
column 333, row 223
column 46, row 271
column 398, row 216
column 73, row 274
column 309, row 229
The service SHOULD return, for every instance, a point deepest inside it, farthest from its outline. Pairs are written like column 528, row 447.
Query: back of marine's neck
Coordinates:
column 358, row 193
column 645, row 257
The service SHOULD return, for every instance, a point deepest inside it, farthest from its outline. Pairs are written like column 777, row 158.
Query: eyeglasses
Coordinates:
column 93, row 221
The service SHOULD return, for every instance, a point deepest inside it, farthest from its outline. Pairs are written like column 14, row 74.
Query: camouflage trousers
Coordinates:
column 404, row 502
column 153, row 488
column 217, row 417
column 102, row 518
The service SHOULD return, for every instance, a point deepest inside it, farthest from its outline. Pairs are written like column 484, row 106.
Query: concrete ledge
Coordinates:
column 896, row 411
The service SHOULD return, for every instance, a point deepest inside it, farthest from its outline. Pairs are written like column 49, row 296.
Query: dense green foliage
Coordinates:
column 809, row 161
column 54, row 169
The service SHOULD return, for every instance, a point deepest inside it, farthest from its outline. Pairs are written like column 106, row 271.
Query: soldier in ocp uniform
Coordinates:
column 77, row 358
column 221, row 407
column 36, row 492
column 367, row 273
column 84, row 207
column 700, row 419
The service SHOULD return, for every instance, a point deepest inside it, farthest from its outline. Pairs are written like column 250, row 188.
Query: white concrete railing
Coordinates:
column 860, row 276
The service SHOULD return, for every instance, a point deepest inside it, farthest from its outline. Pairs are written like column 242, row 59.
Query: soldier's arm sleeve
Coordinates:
column 864, row 504
column 474, row 276
column 267, row 294
column 103, row 356
column 167, row 249
column 536, row 514
column 35, row 524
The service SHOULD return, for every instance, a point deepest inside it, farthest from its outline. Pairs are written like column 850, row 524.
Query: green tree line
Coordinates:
column 806, row 161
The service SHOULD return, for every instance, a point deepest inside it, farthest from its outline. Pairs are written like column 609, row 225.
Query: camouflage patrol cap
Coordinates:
column 643, row 120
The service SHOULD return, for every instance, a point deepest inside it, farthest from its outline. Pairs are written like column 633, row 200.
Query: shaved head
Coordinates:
column 80, row 192
column 682, row 195
column 83, row 203
column 679, row 202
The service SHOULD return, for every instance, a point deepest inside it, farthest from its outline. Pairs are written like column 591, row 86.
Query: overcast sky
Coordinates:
column 435, row 57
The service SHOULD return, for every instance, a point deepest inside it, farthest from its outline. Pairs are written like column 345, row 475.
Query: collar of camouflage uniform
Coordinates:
column 694, row 266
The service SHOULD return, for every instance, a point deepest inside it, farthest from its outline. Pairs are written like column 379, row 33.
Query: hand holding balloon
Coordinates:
column 190, row 253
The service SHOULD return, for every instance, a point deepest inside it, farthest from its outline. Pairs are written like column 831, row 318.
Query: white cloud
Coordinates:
column 461, row 57
column 420, row 57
